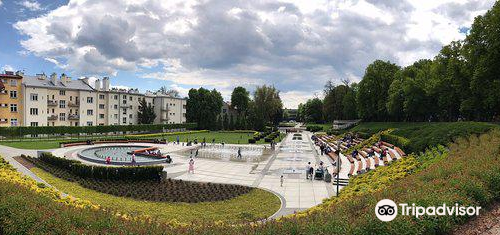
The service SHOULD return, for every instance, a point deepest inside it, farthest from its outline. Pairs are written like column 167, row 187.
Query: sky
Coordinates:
column 294, row 45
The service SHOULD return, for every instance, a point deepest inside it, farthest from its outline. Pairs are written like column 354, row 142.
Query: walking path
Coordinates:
column 290, row 159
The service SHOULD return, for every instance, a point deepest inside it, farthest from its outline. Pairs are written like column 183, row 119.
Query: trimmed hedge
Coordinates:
column 20, row 131
column 314, row 128
column 103, row 172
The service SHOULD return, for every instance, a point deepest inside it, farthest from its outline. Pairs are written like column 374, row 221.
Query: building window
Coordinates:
column 33, row 97
column 116, row 116
column 62, row 104
column 124, row 120
column 34, row 124
column 13, row 94
column 131, row 98
column 101, row 116
column 130, row 116
column 62, row 92
column 90, row 100
column 116, row 97
column 62, row 117
column 101, row 106
column 33, row 111
column 124, row 111
column 13, row 82
column 90, row 123
column 13, row 122
column 13, row 108
column 115, row 106
column 90, row 112
column 124, row 102
column 101, row 97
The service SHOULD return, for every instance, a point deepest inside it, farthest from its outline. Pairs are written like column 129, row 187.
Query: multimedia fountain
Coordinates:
column 230, row 153
column 120, row 155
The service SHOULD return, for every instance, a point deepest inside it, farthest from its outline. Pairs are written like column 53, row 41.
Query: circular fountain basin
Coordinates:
column 119, row 155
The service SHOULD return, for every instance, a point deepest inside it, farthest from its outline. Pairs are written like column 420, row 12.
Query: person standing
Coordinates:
column 308, row 166
column 133, row 158
column 281, row 180
column 177, row 139
column 191, row 166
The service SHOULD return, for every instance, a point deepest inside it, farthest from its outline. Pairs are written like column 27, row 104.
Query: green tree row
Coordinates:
column 204, row 107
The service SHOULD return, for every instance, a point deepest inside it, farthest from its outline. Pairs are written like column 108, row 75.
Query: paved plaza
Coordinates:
column 289, row 160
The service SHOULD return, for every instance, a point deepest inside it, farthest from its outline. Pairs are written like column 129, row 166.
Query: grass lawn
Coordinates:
column 37, row 144
column 256, row 204
column 325, row 126
column 226, row 137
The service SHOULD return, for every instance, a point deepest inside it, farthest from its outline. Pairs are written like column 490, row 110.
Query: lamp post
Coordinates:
column 338, row 168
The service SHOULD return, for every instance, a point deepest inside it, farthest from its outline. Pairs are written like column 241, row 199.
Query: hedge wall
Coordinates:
column 104, row 172
column 19, row 131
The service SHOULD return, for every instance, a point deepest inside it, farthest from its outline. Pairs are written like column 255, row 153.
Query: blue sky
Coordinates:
column 294, row 45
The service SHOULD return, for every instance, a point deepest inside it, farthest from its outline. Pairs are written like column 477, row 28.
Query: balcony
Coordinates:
column 73, row 117
column 51, row 103
column 52, row 117
column 74, row 104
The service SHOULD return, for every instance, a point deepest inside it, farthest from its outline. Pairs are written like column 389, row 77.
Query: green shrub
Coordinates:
column 20, row 131
column 103, row 172
column 251, row 141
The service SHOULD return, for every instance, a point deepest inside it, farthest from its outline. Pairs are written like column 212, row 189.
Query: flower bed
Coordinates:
column 142, row 188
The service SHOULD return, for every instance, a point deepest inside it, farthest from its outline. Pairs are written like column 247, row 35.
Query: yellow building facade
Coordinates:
column 11, row 99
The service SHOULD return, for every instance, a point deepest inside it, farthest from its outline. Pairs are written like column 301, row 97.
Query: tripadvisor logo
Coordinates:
column 386, row 210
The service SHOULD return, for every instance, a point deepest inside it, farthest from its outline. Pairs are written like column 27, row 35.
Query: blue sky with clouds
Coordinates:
column 294, row 45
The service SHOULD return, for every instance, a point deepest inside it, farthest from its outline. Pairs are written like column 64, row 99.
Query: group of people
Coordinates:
column 310, row 170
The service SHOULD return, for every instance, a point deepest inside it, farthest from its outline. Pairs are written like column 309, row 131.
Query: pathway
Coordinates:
column 289, row 160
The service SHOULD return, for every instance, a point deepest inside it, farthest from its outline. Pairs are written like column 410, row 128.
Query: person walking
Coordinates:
column 191, row 166
column 239, row 153
column 311, row 173
column 281, row 180
column 308, row 166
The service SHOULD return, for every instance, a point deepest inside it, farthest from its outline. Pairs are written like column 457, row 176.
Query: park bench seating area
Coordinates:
column 368, row 157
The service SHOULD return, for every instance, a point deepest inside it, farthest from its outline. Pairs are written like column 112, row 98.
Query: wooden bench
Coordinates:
column 360, row 167
column 387, row 144
column 367, row 159
column 351, row 171
column 400, row 152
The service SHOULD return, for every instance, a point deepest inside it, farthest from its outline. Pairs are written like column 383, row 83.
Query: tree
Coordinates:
column 203, row 107
column 373, row 90
column 313, row 111
column 170, row 92
column 240, row 99
column 146, row 114
column 268, row 106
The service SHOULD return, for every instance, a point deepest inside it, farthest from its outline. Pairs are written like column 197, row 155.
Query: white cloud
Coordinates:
column 295, row 45
column 1, row 3
column 7, row 68
column 31, row 5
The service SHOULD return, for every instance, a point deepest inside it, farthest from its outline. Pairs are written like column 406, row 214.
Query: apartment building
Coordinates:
column 169, row 109
column 59, row 102
column 11, row 97
column 53, row 101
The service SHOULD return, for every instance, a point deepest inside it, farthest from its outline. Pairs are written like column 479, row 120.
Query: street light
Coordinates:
column 338, row 168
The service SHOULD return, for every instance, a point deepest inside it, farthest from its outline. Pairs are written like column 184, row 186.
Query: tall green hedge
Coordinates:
column 19, row 131
column 103, row 172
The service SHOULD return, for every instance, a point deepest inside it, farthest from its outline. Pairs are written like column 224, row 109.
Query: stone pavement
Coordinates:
column 289, row 160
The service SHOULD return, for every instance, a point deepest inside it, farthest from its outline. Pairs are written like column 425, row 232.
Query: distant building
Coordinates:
column 51, row 101
column 228, row 109
column 11, row 96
